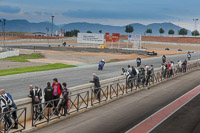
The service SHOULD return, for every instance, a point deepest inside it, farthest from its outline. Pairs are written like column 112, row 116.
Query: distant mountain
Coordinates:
column 25, row 26
column 138, row 28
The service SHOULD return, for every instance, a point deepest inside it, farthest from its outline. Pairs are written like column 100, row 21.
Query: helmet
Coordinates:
column 102, row 60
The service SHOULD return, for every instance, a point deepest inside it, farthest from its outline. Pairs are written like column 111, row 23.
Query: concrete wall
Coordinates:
column 9, row 54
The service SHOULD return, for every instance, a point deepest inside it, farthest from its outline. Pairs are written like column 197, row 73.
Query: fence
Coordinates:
column 54, row 109
column 99, row 95
column 78, row 102
column 13, row 117
column 108, row 91
column 86, row 96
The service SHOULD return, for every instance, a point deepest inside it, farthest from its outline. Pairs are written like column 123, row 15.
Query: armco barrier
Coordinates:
column 83, row 96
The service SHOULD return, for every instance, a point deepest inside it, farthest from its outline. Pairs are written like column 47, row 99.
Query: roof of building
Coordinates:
column 38, row 33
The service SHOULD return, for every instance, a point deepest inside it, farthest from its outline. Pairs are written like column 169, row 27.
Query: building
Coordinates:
column 39, row 34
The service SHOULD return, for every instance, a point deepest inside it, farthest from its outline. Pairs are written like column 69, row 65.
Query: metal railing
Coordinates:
column 78, row 101
column 81, row 100
column 132, row 83
column 99, row 94
column 13, row 117
column 54, row 109
column 117, row 89
column 44, row 112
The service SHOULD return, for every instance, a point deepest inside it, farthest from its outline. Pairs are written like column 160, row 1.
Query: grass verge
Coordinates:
column 24, row 57
column 4, row 72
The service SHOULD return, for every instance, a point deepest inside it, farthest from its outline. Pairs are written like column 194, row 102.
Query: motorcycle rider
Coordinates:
column 139, row 61
column 164, row 58
column 189, row 55
column 101, row 64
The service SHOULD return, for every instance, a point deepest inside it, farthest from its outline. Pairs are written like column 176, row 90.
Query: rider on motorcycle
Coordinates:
column 138, row 60
column 163, row 58
column 189, row 55
column 101, row 64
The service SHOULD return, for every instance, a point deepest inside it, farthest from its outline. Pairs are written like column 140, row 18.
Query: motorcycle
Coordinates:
column 189, row 56
column 101, row 65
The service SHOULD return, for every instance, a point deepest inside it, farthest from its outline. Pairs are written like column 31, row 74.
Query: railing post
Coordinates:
column 110, row 91
column 126, row 86
column 99, row 94
column 117, row 89
column 25, row 119
column 107, row 93
column 92, row 96
column 5, row 125
column 48, row 112
column 78, row 102
column 87, row 98
column 32, row 114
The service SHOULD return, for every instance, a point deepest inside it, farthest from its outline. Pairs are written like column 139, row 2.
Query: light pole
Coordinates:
column 3, row 27
column 195, row 26
column 52, row 17
column 47, row 35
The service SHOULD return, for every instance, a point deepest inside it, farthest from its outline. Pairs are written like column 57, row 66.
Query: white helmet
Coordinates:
column 102, row 60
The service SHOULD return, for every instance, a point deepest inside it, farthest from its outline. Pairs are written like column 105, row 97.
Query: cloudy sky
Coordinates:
column 111, row 12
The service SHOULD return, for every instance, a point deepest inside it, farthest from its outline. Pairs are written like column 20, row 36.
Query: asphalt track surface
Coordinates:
column 18, row 85
column 123, row 114
column 185, row 120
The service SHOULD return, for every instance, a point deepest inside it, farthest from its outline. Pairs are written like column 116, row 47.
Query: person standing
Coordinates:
column 36, row 95
column 168, row 70
column 30, row 91
column 172, row 68
column 148, row 75
column 179, row 65
column 97, row 86
column 65, row 94
column 57, row 91
column 184, row 65
column 4, row 106
column 11, row 106
column 48, row 96
column 162, row 69
column 129, row 69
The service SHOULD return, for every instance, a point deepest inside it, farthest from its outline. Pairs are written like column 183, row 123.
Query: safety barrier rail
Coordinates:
column 99, row 94
column 45, row 112
column 15, row 117
column 78, row 101
column 54, row 109
column 135, row 82
column 112, row 88
column 117, row 89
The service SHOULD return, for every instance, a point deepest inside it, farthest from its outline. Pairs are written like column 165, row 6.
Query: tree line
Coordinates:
column 129, row 29
column 74, row 33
